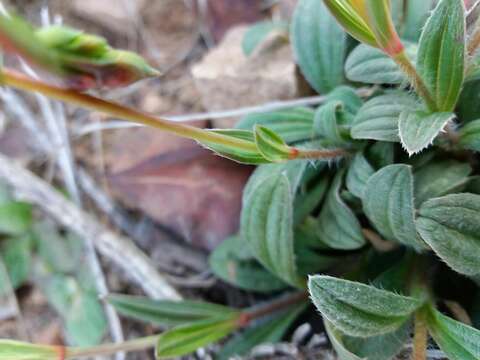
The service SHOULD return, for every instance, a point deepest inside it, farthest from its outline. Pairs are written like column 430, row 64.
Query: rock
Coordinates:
column 226, row 78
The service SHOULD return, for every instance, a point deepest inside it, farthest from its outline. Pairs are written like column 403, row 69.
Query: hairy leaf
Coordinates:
column 388, row 203
column 372, row 66
column 470, row 136
column 267, row 225
column 337, row 224
column 441, row 53
column 378, row 117
column 418, row 129
column 15, row 218
column 457, row 340
column 360, row 310
column 416, row 15
column 292, row 124
column 440, row 178
column 271, row 145
column 329, row 125
column 167, row 313
column 319, row 45
column 451, row 226
column 358, row 174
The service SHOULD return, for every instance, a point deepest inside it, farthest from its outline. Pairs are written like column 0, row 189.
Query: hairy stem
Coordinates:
column 380, row 244
column 420, row 337
column 19, row 81
column 110, row 349
column 317, row 154
column 415, row 79
column 474, row 41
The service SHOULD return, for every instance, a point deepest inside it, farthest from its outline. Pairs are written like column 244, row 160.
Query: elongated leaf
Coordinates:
column 441, row 53
column 457, row 340
column 440, row 178
column 348, row 97
column 451, row 226
column 388, row 203
column 338, row 226
column 360, row 310
column 167, row 313
column 319, row 45
column 234, row 263
column 292, row 125
column 470, row 136
column 269, row 332
column 271, row 145
column 469, row 102
column 418, row 129
column 15, row 218
column 336, row 338
column 308, row 201
column 257, row 33
column 328, row 123
column 185, row 339
column 378, row 117
column 358, row 174
column 372, row 66
column 10, row 350
column 267, row 226
column 17, row 257
column 243, row 155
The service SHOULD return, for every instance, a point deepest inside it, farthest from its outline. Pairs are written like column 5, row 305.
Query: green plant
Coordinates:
column 396, row 219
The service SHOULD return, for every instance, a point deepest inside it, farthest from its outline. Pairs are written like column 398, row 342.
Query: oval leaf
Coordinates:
column 360, row 310
column 338, row 226
column 257, row 33
column 388, row 203
column 10, row 349
column 470, row 136
column 441, row 53
column 358, row 174
column 319, row 45
column 451, row 226
column 418, row 129
column 378, row 118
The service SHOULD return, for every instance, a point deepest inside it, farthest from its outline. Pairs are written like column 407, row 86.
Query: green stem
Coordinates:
column 415, row 79
column 110, row 349
column 420, row 337
column 19, row 81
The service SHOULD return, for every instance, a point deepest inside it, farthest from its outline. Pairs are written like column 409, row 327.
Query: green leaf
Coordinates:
column 271, row 145
column 457, row 340
column 378, row 117
column 186, row 339
column 469, row 103
column 440, row 178
column 388, row 203
column 267, row 225
column 242, row 155
column 360, row 310
column 372, row 66
column 17, row 255
column 319, row 45
column 306, row 202
column 269, row 332
column 470, row 136
column 441, row 53
column 257, row 33
column 293, row 125
column 234, row 263
column 451, row 226
column 338, row 226
column 382, row 347
column 167, row 313
column 17, row 350
column 329, row 123
column 418, row 129
column 348, row 97
column 417, row 13
column 358, row 174
column 15, row 218
column 80, row 309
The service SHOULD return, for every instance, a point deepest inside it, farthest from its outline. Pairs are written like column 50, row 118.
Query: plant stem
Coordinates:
column 420, row 337
column 109, row 349
column 474, row 41
column 417, row 82
column 19, row 81
column 249, row 315
column 378, row 242
column 317, row 154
